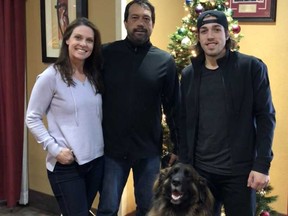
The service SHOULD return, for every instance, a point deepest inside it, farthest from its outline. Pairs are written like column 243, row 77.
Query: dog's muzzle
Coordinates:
column 176, row 191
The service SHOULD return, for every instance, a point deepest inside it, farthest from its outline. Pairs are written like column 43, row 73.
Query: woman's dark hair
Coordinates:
column 92, row 64
column 143, row 3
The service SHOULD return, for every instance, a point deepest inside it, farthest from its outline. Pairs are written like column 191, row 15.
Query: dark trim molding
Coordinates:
column 43, row 201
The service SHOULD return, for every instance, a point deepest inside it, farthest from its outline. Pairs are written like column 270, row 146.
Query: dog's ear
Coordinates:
column 163, row 175
column 160, row 180
column 205, row 194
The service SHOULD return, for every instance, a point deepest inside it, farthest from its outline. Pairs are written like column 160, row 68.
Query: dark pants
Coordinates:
column 115, row 177
column 75, row 187
column 233, row 193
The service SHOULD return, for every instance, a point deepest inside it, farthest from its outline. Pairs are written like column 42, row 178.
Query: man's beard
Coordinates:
column 136, row 39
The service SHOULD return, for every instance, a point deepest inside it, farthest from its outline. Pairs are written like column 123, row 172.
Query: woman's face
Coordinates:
column 80, row 43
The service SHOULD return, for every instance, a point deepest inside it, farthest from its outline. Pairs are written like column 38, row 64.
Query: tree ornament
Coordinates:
column 236, row 28
column 229, row 12
column 186, row 42
column 265, row 213
column 220, row 7
column 182, row 31
column 188, row 2
column 263, row 201
column 199, row 9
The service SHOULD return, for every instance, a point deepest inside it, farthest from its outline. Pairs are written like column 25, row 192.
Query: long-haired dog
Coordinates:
column 180, row 191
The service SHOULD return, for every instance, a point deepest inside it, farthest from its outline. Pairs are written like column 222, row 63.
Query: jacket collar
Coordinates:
column 200, row 59
column 132, row 46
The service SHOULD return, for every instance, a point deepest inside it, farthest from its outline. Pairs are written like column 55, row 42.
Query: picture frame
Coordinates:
column 254, row 10
column 55, row 16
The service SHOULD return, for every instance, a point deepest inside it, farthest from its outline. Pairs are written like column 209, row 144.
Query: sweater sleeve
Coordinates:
column 170, row 101
column 264, row 118
column 40, row 99
column 183, row 146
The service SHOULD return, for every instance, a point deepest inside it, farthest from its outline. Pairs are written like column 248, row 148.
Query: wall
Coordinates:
column 268, row 41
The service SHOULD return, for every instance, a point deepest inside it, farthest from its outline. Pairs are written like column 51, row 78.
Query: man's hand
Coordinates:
column 172, row 160
column 257, row 180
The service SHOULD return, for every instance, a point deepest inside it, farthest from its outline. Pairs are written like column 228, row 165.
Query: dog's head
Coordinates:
column 181, row 186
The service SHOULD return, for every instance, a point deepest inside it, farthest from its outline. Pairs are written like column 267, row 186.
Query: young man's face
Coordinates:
column 212, row 38
column 139, row 24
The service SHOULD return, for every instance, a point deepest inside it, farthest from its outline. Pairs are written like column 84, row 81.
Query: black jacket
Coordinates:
column 138, row 81
column 251, row 115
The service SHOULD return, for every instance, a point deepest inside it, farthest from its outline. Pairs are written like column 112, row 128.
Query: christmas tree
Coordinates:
column 263, row 201
column 182, row 41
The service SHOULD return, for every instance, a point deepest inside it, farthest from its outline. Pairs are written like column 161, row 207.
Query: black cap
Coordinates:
column 220, row 18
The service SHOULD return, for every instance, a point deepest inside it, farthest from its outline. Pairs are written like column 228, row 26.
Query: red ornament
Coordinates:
column 236, row 29
column 265, row 213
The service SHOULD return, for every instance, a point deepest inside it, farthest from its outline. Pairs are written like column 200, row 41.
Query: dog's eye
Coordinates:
column 187, row 173
column 176, row 170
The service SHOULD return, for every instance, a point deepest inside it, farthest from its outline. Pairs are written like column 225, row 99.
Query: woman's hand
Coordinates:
column 65, row 156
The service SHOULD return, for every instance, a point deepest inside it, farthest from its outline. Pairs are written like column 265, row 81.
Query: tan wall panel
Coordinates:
column 268, row 41
column 102, row 14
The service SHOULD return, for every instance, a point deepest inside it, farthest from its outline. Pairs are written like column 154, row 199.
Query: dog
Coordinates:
column 180, row 191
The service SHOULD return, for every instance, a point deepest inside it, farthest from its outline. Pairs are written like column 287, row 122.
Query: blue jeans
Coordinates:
column 116, row 173
column 75, row 186
column 233, row 193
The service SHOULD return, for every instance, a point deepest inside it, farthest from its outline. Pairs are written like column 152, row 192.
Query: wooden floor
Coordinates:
column 27, row 211
column 24, row 211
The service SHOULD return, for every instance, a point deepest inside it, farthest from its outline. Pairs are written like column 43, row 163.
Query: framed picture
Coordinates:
column 55, row 17
column 254, row 10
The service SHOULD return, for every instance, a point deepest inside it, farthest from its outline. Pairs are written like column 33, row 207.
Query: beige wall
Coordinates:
column 265, row 40
column 269, row 42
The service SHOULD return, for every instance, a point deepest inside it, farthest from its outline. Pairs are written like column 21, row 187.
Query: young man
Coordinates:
column 227, row 118
column 138, row 78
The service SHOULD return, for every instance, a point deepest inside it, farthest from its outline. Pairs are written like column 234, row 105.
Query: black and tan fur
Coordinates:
column 181, row 191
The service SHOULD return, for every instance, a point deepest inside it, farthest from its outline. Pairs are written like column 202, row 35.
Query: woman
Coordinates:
column 69, row 94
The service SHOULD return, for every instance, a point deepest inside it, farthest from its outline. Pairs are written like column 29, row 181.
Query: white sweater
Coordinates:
column 74, row 117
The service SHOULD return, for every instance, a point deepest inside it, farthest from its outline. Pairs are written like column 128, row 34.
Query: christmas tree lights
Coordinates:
column 263, row 201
